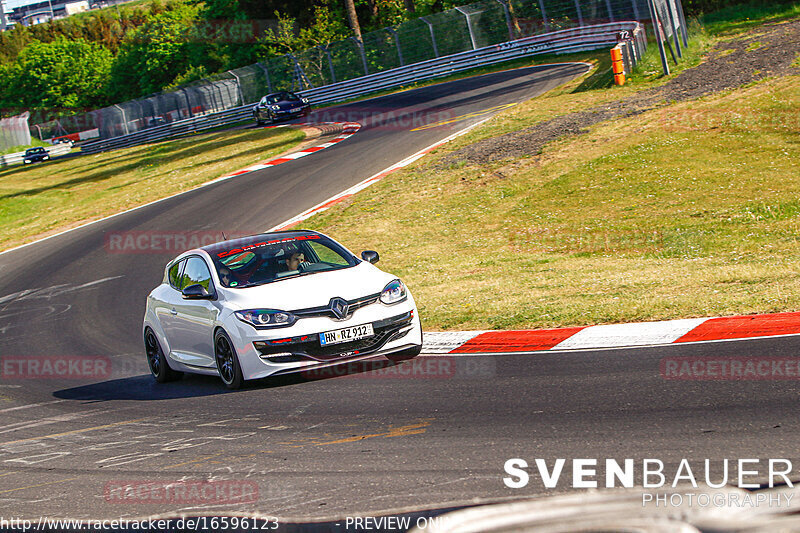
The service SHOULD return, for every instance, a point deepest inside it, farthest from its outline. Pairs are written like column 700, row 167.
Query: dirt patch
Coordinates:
column 769, row 51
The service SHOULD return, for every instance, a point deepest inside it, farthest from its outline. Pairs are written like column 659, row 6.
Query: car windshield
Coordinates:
column 269, row 258
column 281, row 97
column 31, row 151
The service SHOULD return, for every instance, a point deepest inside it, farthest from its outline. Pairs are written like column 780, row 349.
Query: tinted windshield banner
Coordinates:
column 266, row 243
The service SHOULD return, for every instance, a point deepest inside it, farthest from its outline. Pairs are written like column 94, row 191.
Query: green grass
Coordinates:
column 686, row 210
column 52, row 196
column 644, row 219
column 22, row 148
column 737, row 18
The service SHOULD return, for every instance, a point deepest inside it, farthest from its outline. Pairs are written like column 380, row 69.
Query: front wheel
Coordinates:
column 156, row 359
column 227, row 362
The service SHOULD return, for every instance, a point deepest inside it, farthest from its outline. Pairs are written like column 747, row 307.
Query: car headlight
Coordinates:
column 394, row 292
column 266, row 318
column 275, row 107
column 304, row 100
column 27, row 161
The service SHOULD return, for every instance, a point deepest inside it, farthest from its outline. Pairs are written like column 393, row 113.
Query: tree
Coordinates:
column 287, row 39
column 352, row 18
column 312, row 40
column 154, row 54
column 60, row 74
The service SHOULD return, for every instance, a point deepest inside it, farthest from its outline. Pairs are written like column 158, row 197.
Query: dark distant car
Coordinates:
column 156, row 121
column 35, row 155
column 280, row 106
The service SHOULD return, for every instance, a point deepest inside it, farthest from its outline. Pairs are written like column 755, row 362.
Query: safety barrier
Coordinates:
column 17, row 158
column 630, row 34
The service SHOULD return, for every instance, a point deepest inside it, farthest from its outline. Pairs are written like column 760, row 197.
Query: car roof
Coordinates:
column 223, row 246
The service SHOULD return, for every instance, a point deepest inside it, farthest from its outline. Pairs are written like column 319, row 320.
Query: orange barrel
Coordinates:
column 618, row 67
column 619, row 79
column 616, row 54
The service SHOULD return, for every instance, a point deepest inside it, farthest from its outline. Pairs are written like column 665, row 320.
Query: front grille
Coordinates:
column 308, row 346
column 325, row 310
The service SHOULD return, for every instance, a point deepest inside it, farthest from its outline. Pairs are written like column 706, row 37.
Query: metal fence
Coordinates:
column 14, row 132
column 630, row 35
column 463, row 29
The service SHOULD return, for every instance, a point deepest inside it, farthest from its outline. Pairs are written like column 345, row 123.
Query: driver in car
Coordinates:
column 295, row 260
column 227, row 277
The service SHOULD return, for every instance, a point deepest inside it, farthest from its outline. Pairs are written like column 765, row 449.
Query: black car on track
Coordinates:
column 280, row 106
column 35, row 155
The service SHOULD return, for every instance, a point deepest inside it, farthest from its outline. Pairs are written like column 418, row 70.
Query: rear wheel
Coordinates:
column 156, row 359
column 227, row 362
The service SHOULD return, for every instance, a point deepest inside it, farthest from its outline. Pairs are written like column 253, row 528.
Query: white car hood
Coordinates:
column 311, row 290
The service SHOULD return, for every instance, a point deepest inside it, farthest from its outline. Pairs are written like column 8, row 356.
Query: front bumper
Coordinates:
column 284, row 114
column 297, row 348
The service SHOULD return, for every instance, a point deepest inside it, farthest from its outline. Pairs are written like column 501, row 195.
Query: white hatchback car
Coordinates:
column 273, row 304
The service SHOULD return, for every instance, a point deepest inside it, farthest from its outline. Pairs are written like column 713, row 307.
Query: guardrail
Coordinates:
column 17, row 158
column 630, row 34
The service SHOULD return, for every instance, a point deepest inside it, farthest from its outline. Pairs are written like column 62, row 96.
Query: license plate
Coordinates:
column 295, row 110
column 352, row 333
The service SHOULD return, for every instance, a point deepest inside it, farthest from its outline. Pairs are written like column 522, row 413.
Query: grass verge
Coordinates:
column 52, row 196
column 23, row 147
column 686, row 210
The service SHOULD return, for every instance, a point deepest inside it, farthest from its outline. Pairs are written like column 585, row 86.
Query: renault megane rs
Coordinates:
column 273, row 304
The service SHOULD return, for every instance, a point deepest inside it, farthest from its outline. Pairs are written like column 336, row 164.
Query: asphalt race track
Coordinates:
column 432, row 435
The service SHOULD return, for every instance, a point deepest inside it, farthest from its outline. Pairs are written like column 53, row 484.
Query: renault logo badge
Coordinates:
column 339, row 307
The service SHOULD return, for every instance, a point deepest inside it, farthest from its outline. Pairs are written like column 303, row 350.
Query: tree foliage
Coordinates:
column 58, row 74
column 154, row 54
column 130, row 51
column 290, row 37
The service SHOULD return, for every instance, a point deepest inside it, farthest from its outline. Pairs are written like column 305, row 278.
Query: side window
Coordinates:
column 175, row 274
column 196, row 271
column 326, row 255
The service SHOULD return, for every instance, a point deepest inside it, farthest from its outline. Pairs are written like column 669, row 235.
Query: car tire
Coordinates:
column 404, row 355
column 230, row 372
column 156, row 360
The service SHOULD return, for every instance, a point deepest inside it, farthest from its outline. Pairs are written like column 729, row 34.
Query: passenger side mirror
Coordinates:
column 370, row 256
column 196, row 292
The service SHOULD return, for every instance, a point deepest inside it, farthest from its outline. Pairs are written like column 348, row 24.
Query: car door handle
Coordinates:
column 173, row 312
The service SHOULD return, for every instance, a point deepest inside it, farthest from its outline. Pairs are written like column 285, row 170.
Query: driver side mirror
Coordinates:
column 370, row 256
column 196, row 292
